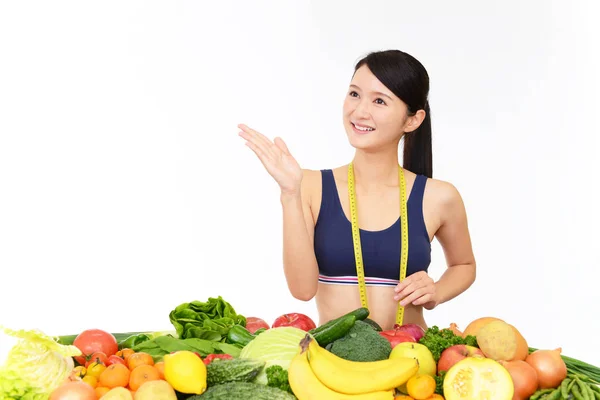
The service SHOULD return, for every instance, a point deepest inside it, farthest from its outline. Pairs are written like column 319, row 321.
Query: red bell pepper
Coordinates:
column 211, row 357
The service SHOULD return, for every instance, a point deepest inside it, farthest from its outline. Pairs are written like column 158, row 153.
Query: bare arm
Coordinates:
column 453, row 235
column 455, row 240
column 299, row 261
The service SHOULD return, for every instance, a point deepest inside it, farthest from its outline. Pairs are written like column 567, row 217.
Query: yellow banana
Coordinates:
column 365, row 366
column 306, row 385
column 343, row 376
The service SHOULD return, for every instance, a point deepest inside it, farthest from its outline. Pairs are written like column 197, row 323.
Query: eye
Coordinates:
column 353, row 93
column 377, row 100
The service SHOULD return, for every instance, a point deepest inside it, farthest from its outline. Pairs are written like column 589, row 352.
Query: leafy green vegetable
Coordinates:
column 166, row 344
column 32, row 364
column 437, row 340
column 276, row 346
column 209, row 320
column 439, row 382
column 277, row 377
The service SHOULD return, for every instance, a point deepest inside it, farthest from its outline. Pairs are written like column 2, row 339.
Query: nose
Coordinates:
column 362, row 110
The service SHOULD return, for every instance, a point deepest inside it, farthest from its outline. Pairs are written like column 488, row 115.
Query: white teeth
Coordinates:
column 365, row 129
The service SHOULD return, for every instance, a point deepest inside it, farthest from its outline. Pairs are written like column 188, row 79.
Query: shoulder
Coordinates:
column 444, row 194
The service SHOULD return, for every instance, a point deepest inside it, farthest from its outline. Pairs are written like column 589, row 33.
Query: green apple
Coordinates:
column 419, row 352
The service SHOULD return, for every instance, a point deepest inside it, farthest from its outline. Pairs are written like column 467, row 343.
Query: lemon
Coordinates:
column 185, row 372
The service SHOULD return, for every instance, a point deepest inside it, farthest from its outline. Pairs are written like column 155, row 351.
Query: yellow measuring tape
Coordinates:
column 360, row 271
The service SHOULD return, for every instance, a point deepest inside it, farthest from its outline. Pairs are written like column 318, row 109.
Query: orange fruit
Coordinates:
column 101, row 391
column 142, row 374
column 436, row 396
column 160, row 366
column 403, row 397
column 421, row 386
column 114, row 376
column 137, row 359
column 125, row 353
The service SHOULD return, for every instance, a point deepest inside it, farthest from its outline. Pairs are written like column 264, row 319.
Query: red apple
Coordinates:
column 396, row 336
column 253, row 324
column 295, row 320
column 454, row 354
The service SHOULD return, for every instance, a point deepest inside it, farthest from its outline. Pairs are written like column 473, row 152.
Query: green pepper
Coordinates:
column 239, row 336
column 133, row 340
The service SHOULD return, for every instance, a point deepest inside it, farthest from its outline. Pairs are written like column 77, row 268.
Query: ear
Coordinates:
column 414, row 121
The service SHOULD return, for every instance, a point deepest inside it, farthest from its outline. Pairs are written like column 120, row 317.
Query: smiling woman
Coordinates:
column 344, row 230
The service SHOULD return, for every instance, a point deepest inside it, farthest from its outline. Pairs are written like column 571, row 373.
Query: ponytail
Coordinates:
column 417, row 156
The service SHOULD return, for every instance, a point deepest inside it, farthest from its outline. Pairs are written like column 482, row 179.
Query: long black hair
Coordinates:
column 407, row 78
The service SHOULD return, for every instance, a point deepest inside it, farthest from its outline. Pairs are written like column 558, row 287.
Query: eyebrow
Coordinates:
column 379, row 93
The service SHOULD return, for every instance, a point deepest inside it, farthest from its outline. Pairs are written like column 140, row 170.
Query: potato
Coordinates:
column 155, row 390
column 501, row 341
column 118, row 393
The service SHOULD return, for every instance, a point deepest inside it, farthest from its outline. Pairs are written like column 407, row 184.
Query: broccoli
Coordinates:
column 362, row 343
column 277, row 377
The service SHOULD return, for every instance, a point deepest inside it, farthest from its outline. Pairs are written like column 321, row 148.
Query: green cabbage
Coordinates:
column 32, row 364
column 276, row 346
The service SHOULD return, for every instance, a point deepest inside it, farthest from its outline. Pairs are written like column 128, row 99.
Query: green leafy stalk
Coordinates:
column 437, row 340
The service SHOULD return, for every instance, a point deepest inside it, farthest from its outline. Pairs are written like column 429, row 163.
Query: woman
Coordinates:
column 387, row 100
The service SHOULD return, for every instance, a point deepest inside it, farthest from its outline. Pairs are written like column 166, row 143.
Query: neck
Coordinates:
column 376, row 169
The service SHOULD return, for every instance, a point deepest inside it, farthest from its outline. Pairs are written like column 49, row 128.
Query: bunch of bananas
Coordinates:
column 317, row 374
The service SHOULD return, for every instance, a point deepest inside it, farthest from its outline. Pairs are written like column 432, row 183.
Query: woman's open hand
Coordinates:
column 276, row 158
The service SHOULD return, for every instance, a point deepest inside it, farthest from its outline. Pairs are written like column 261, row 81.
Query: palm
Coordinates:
column 276, row 158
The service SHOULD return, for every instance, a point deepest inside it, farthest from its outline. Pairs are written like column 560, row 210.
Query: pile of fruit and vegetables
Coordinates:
column 213, row 353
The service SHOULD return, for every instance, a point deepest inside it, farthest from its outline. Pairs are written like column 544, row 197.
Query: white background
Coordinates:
column 125, row 190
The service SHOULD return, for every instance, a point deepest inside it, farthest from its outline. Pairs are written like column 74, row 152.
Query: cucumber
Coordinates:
column 236, row 370
column 334, row 329
column 373, row 324
column 243, row 391
column 338, row 327
column 360, row 313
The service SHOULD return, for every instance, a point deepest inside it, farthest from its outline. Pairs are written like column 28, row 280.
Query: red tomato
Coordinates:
column 114, row 359
column 98, row 357
column 95, row 340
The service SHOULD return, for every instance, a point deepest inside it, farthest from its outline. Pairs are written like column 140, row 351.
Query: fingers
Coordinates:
column 423, row 299
column 258, row 151
column 259, row 136
column 282, row 146
column 417, row 276
column 413, row 296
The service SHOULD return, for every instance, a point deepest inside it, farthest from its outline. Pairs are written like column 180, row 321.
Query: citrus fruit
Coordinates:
column 185, row 372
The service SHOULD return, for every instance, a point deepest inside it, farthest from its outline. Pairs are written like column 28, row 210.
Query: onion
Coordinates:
column 549, row 366
column 75, row 390
column 414, row 330
column 524, row 377
column 454, row 329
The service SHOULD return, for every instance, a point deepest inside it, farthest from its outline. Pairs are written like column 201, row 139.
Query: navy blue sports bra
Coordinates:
column 381, row 249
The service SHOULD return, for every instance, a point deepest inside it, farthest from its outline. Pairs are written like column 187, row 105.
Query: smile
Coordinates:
column 361, row 128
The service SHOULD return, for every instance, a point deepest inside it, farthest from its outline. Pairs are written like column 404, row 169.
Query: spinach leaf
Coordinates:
column 167, row 344
column 209, row 320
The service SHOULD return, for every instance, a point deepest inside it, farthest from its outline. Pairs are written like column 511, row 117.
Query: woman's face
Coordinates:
column 374, row 117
